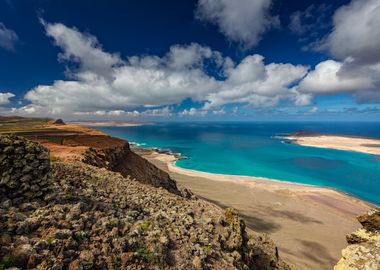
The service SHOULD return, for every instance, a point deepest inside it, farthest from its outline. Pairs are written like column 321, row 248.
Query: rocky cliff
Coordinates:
column 121, row 159
column 81, row 216
column 363, row 252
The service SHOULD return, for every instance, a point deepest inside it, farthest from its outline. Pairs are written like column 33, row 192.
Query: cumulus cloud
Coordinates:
column 356, row 32
column 103, row 84
column 257, row 84
column 354, row 42
column 244, row 21
column 8, row 38
column 4, row 98
column 104, row 81
column 328, row 78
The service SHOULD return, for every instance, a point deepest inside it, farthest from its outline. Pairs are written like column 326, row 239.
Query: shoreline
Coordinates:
column 309, row 223
column 370, row 146
column 241, row 179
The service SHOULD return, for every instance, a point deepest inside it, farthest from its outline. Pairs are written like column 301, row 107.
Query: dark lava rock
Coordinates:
column 59, row 122
column 22, row 177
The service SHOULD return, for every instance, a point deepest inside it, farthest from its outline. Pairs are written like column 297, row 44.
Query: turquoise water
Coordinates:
column 250, row 149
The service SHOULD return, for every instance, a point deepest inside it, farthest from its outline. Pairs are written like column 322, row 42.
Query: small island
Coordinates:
column 338, row 142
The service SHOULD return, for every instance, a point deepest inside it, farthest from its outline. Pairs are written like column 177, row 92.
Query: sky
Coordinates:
column 248, row 60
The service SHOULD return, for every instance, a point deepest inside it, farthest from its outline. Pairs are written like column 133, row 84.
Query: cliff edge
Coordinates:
column 363, row 252
column 57, row 214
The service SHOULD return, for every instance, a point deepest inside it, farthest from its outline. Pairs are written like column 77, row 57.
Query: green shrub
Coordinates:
column 145, row 226
column 6, row 262
column 207, row 248
column 50, row 241
column 144, row 253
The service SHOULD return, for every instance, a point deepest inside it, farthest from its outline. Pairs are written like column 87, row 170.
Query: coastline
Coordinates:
column 170, row 160
column 245, row 179
column 345, row 143
column 308, row 222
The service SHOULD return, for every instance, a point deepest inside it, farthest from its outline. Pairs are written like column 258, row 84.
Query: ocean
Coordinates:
column 251, row 149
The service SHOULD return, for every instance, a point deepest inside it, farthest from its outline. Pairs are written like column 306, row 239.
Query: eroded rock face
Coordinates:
column 247, row 251
column 24, row 168
column 371, row 220
column 128, row 163
column 363, row 253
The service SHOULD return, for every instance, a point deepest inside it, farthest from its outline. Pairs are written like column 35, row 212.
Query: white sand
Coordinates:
column 363, row 145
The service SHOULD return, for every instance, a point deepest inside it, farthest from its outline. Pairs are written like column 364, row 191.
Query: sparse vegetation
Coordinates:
column 6, row 262
column 143, row 252
column 145, row 226
column 50, row 241
column 207, row 248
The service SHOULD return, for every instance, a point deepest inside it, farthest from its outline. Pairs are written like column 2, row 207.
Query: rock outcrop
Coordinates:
column 122, row 159
column 24, row 169
column 100, row 219
column 363, row 252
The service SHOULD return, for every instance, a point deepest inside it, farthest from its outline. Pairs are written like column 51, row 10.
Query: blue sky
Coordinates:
column 190, row 60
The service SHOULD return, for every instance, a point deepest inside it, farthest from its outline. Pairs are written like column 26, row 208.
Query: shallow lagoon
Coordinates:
column 251, row 149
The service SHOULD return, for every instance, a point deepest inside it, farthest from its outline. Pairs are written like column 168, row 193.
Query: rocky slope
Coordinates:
column 80, row 216
column 363, row 252
column 122, row 159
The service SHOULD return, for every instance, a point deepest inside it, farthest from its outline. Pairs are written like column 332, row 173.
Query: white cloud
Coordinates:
column 301, row 99
column 354, row 42
column 4, row 98
column 253, row 82
column 328, row 78
column 356, row 32
column 202, row 112
column 193, row 112
column 244, row 21
column 104, row 81
column 105, row 85
column 8, row 38
column 81, row 48
column 165, row 111
column 219, row 112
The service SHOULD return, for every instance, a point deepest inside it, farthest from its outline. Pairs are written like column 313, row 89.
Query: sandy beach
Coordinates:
column 308, row 223
column 354, row 144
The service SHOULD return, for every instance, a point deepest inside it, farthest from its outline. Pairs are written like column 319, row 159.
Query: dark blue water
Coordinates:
column 250, row 149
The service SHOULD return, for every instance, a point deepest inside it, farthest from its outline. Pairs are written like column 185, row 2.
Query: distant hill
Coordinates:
column 59, row 122
column 303, row 133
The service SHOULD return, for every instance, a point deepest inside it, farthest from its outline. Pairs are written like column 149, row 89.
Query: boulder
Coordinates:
column 363, row 253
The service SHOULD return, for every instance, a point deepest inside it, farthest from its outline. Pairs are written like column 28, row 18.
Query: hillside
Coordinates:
column 93, row 204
